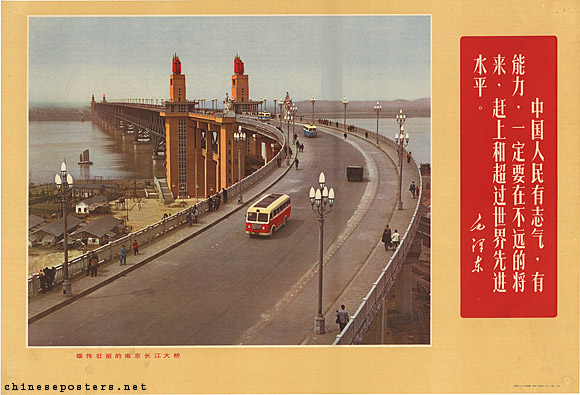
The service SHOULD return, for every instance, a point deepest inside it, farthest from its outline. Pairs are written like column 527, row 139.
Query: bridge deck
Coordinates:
column 354, row 250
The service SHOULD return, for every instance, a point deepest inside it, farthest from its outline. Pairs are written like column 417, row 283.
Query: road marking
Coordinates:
column 365, row 202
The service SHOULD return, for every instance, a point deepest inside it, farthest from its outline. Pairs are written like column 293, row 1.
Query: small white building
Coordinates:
column 90, row 204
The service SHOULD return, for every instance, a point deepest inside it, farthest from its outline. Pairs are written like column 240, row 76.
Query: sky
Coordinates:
column 328, row 57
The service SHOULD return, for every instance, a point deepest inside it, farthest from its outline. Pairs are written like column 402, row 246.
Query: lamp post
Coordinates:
column 261, row 103
column 321, row 201
column 275, row 100
column 378, row 109
column 402, row 141
column 265, row 105
column 64, row 182
column 281, row 104
column 294, row 111
column 313, row 100
column 287, row 117
column 345, row 102
column 240, row 137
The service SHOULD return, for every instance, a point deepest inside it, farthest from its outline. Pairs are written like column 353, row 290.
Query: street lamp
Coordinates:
column 345, row 102
column 275, row 100
column 287, row 117
column 378, row 109
column 312, row 100
column 294, row 111
column 281, row 104
column 402, row 141
column 321, row 201
column 64, row 182
column 261, row 103
column 265, row 105
column 240, row 137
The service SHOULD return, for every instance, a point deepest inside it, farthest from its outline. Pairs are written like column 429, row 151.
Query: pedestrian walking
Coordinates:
column 49, row 273
column 42, row 278
column 396, row 238
column 341, row 317
column 366, row 135
column 94, row 262
column 90, row 258
column 225, row 195
column 409, row 157
column 296, row 163
column 387, row 238
column 123, row 256
column 194, row 214
column 217, row 201
column 345, row 135
column 190, row 219
column 135, row 247
column 413, row 189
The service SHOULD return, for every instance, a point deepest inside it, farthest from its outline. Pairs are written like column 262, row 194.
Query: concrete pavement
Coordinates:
column 43, row 304
column 366, row 264
column 378, row 258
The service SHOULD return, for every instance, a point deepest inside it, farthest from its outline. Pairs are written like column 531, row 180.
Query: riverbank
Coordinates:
column 141, row 213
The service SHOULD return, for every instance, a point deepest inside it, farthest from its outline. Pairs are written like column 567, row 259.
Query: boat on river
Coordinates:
column 84, row 158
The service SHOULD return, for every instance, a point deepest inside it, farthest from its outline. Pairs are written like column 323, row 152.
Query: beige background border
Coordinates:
column 467, row 355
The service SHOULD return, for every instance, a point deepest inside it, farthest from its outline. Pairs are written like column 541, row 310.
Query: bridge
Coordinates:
column 209, row 284
column 213, row 165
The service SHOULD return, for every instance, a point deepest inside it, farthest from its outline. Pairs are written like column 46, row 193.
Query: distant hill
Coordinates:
column 358, row 109
column 55, row 112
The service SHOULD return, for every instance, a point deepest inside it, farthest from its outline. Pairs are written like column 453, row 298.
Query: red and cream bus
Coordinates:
column 268, row 214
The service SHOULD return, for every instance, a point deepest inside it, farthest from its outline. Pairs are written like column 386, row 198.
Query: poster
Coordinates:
column 493, row 355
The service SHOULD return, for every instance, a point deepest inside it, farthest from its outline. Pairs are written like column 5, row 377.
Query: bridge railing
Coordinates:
column 360, row 322
column 107, row 252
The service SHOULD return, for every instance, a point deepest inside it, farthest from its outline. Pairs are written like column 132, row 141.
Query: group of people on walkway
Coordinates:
column 192, row 216
column 299, row 145
column 391, row 239
column 93, row 264
column 214, row 202
column 46, row 277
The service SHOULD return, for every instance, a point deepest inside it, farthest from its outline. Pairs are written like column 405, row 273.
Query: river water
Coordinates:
column 117, row 159
column 113, row 157
column 419, row 130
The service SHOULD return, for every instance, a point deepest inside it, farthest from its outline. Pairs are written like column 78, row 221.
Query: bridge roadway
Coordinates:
column 224, row 288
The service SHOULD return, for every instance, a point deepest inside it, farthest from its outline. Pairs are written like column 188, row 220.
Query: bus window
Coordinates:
column 262, row 217
column 252, row 217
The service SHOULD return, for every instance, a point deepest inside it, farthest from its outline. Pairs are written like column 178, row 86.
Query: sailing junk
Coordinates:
column 84, row 158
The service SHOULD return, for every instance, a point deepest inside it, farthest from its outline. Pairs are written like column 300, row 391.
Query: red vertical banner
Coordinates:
column 509, row 176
